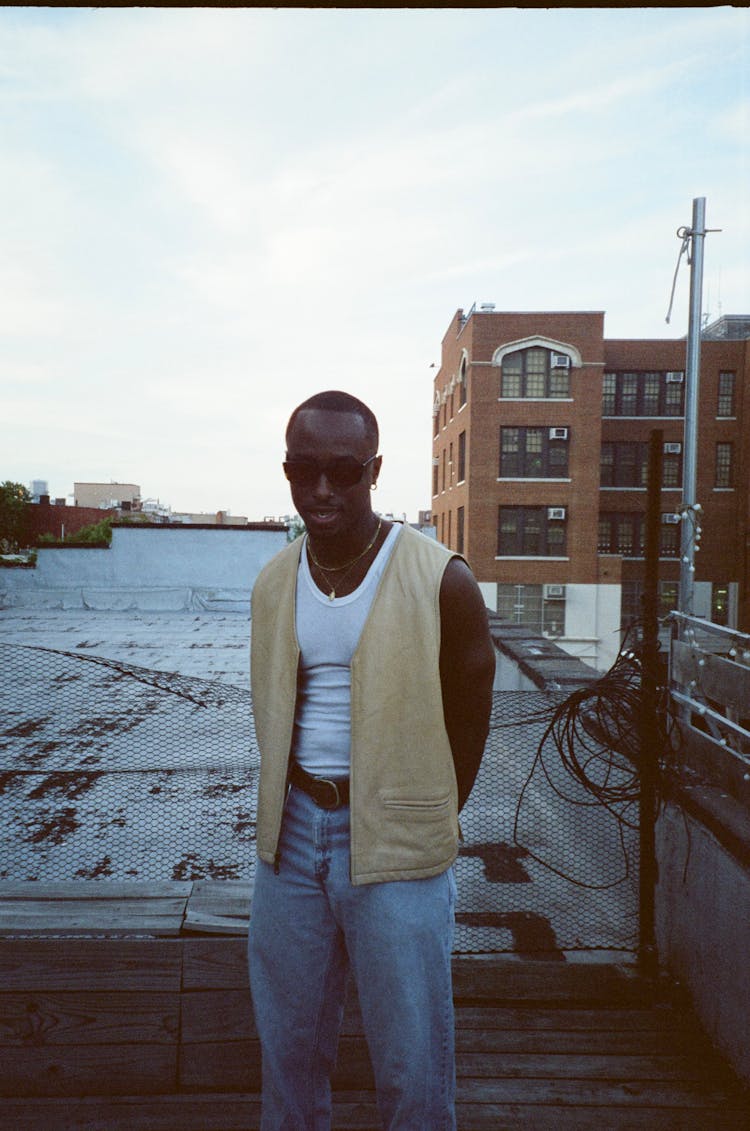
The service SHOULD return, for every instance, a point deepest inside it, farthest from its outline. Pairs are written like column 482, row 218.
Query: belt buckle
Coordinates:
column 326, row 782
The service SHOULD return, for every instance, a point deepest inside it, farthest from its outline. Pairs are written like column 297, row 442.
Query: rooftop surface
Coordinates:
column 127, row 753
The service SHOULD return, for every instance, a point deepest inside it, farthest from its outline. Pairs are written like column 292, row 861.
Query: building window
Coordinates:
column 643, row 394
column 533, row 606
column 535, row 373
column 531, row 532
column 724, row 465
column 631, row 607
column 534, row 453
column 725, row 400
column 624, row 463
column 463, row 391
column 460, row 530
column 624, row 533
column 461, row 457
column 435, row 472
column 671, row 469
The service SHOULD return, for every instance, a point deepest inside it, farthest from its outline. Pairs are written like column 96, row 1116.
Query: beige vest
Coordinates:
column 404, row 816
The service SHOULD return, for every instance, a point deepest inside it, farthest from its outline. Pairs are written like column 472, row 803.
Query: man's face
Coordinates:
column 329, row 511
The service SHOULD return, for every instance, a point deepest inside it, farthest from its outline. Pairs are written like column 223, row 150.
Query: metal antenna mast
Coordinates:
column 690, row 508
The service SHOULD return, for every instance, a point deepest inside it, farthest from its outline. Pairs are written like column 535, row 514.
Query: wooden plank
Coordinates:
column 222, row 897
column 91, row 964
column 658, row 1018
column 227, row 1015
column 37, row 1019
column 157, row 1113
column 215, row 963
column 217, row 1015
column 200, row 923
column 96, row 911
column 536, row 1117
column 499, row 978
column 221, row 963
column 218, row 1066
column 89, row 1070
column 352, row 1112
column 83, row 926
column 70, row 909
column 571, row 1065
column 235, row 1066
column 565, row 1041
column 689, row 1094
column 94, row 890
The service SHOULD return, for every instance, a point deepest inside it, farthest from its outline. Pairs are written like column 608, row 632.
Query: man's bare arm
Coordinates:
column 467, row 669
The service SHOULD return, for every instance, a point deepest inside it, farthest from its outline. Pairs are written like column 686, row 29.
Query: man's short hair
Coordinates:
column 334, row 401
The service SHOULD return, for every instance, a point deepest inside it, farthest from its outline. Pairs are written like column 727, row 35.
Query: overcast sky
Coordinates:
column 207, row 215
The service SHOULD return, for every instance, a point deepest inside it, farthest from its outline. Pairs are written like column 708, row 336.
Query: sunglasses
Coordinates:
column 345, row 471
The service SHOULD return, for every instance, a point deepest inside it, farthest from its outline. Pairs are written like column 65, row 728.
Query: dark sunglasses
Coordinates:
column 345, row 471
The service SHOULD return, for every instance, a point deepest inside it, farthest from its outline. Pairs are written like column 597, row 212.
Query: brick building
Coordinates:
column 540, row 452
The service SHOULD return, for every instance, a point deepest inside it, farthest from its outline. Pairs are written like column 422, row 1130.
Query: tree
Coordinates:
column 14, row 516
column 296, row 529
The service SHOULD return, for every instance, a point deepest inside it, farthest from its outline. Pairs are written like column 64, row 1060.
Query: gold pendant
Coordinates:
column 331, row 595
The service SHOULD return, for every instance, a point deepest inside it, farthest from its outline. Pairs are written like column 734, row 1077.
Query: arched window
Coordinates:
column 463, row 378
column 535, row 373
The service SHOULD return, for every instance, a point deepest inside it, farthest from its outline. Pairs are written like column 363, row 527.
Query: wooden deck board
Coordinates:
column 162, row 1029
column 101, row 909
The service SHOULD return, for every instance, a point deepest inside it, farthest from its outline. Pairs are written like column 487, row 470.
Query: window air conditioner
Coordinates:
column 558, row 433
column 670, row 519
column 553, row 592
column 673, row 449
column 556, row 514
column 675, row 378
column 559, row 361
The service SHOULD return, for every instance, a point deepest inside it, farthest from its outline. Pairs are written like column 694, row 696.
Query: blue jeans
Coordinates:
column 308, row 924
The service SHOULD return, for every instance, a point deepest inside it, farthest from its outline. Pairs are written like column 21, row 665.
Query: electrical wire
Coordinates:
column 595, row 734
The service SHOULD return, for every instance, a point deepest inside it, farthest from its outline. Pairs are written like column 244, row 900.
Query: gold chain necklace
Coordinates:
column 347, row 566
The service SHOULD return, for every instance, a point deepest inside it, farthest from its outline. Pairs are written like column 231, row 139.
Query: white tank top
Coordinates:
column 328, row 633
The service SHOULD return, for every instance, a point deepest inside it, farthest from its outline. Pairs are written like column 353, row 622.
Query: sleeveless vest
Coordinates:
column 403, row 797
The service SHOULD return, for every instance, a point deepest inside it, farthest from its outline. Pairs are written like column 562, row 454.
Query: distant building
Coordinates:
column 539, row 469
column 212, row 518
column 108, row 496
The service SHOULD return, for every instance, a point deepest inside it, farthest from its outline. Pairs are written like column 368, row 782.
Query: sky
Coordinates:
column 207, row 215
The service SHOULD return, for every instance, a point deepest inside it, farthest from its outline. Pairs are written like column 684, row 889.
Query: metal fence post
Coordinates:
column 648, row 728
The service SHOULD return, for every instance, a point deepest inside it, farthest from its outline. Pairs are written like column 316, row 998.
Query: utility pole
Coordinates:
column 696, row 234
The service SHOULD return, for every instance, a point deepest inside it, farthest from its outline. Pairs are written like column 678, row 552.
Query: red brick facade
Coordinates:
column 472, row 371
column 62, row 521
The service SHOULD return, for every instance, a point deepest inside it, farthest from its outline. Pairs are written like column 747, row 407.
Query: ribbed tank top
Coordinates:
column 328, row 633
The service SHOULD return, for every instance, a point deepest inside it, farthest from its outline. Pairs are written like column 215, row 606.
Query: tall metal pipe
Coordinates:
column 690, row 433
column 647, row 720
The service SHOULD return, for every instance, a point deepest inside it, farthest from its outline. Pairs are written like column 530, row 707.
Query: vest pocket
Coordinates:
column 418, row 807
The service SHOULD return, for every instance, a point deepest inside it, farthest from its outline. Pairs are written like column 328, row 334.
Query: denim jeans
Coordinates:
column 308, row 925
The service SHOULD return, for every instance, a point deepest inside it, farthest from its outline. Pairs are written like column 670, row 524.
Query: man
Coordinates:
column 372, row 671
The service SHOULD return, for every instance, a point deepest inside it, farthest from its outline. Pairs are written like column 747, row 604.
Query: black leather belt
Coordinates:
column 327, row 793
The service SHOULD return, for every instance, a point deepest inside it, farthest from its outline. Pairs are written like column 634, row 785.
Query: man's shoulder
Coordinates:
column 419, row 543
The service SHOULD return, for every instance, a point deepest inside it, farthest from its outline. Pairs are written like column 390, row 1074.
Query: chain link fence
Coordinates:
column 111, row 771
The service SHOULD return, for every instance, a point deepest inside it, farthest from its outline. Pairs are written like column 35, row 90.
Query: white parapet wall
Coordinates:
column 149, row 568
